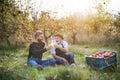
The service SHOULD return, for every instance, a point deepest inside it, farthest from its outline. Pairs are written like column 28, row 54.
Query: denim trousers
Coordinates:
column 68, row 57
column 36, row 61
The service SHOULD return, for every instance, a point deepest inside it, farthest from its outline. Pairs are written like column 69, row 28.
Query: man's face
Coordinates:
column 40, row 37
column 58, row 39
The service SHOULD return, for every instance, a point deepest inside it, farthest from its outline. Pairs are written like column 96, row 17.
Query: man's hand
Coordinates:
column 49, row 47
column 56, row 46
column 66, row 62
column 55, row 56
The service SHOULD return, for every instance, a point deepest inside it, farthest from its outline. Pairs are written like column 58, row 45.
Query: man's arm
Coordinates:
column 64, row 47
column 57, row 57
column 33, row 49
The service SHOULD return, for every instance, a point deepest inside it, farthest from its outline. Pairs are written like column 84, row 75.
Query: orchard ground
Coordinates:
column 13, row 65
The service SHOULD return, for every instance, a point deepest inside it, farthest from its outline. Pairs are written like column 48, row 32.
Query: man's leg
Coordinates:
column 47, row 62
column 70, row 58
column 33, row 62
column 59, row 61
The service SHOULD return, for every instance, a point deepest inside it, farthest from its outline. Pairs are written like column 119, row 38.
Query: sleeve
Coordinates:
column 65, row 44
column 36, row 51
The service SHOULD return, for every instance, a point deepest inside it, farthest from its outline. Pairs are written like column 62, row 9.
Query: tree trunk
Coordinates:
column 46, row 40
column 45, row 37
column 8, row 42
column 74, row 38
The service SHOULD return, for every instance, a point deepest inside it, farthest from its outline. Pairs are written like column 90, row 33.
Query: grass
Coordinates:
column 13, row 65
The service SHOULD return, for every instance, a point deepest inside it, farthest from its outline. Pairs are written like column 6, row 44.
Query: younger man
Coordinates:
column 36, row 50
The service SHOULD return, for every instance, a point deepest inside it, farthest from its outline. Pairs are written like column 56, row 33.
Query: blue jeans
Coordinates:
column 68, row 57
column 36, row 61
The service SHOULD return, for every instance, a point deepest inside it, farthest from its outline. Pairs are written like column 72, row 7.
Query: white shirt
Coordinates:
column 62, row 44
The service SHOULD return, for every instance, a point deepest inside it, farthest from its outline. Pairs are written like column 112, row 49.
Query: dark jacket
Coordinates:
column 36, row 50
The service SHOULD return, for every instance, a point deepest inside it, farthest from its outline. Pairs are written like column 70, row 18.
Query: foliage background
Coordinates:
column 85, row 34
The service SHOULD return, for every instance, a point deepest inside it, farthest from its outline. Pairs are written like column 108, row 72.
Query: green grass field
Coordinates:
column 13, row 65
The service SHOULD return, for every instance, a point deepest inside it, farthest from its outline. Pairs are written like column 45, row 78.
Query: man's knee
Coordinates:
column 33, row 63
column 71, row 55
column 52, row 60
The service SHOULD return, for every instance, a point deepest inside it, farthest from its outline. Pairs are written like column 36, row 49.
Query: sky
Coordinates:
column 63, row 8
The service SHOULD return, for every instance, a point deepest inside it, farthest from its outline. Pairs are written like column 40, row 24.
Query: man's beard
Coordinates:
column 39, row 40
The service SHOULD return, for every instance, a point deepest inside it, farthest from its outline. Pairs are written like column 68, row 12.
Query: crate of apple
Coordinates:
column 102, row 59
column 103, row 54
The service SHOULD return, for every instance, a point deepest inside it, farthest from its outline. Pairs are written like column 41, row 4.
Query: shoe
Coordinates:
column 73, row 64
column 40, row 67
